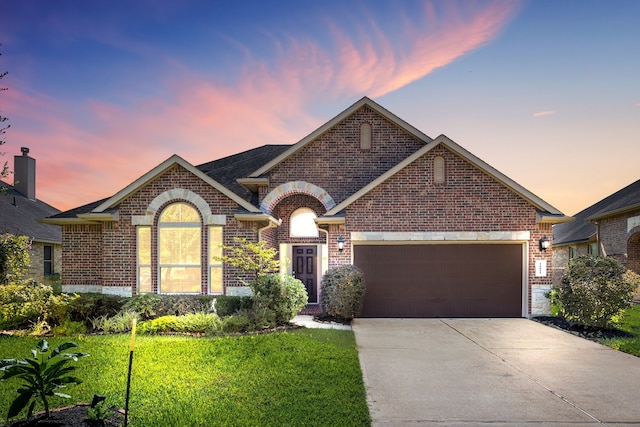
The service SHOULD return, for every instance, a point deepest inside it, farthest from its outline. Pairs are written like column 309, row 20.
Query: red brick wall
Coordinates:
column 469, row 200
column 106, row 254
column 82, row 254
column 614, row 235
column 335, row 161
column 633, row 251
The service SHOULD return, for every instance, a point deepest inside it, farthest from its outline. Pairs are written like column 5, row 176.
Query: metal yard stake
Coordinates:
column 133, row 339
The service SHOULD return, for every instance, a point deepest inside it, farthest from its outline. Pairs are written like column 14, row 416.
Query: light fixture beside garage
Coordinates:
column 340, row 244
column 544, row 243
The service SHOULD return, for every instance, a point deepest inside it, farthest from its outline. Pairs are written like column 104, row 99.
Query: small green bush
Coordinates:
column 55, row 281
column 227, row 305
column 27, row 302
column 239, row 322
column 88, row 306
column 343, row 291
column 284, row 295
column 145, row 305
column 594, row 290
column 189, row 323
column 151, row 306
column 69, row 327
column 121, row 322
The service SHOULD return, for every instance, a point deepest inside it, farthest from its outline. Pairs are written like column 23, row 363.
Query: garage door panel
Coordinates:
column 480, row 280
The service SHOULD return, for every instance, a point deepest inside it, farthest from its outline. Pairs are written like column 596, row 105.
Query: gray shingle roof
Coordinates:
column 228, row 169
column 582, row 230
column 20, row 215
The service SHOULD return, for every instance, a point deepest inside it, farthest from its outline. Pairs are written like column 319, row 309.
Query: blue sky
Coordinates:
column 547, row 92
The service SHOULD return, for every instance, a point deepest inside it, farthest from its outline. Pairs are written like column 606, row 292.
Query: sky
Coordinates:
column 545, row 91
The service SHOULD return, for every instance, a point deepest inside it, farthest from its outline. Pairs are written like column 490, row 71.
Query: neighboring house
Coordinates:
column 610, row 227
column 20, row 212
column 437, row 231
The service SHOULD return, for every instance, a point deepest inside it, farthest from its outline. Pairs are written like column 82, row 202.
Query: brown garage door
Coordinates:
column 440, row 280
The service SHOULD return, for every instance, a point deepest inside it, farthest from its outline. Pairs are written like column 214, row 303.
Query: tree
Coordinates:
column 14, row 257
column 252, row 258
column 4, row 169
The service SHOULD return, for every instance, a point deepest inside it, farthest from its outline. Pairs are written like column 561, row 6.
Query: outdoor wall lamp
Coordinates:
column 340, row 244
column 544, row 243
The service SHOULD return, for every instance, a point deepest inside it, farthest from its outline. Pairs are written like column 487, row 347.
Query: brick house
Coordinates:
column 610, row 227
column 437, row 231
column 20, row 213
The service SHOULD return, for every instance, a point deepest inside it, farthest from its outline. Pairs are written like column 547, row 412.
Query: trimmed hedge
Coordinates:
column 227, row 305
column 343, row 291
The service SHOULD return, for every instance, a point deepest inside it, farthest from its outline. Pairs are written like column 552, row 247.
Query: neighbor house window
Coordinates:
column 573, row 252
column 48, row 260
column 179, row 250
column 302, row 223
column 593, row 248
column 143, row 257
column 215, row 264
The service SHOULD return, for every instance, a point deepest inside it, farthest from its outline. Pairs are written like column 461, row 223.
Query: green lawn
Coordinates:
column 630, row 323
column 304, row 377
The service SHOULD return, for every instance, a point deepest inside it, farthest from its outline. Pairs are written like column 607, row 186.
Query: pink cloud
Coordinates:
column 544, row 113
column 81, row 160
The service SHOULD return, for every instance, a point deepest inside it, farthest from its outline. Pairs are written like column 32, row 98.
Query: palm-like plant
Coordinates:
column 42, row 376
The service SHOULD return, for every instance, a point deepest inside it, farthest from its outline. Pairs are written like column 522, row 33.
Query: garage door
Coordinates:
column 440, row 280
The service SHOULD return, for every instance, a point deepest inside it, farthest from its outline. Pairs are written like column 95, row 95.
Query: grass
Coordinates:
column 630, row 323
column 307, row 377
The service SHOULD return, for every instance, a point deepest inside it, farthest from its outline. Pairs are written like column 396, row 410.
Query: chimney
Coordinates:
column 24, row 174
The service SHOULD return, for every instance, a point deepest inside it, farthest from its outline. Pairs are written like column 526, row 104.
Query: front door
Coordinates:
column 304, row 264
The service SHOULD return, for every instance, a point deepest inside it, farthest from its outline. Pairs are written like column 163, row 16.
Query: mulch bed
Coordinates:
column 71, row 416
column 593, row 334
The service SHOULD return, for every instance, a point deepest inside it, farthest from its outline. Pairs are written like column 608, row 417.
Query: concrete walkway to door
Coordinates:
column 498, row 372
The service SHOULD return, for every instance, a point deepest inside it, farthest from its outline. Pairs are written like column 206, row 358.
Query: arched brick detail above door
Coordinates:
column 295, row 187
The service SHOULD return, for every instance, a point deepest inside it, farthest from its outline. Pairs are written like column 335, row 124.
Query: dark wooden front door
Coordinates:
column 304, row 265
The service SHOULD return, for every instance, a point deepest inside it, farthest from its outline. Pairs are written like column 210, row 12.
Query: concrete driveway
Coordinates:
column 515, row 372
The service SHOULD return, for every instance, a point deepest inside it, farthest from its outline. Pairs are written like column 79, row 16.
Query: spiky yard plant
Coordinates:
column 42, row 375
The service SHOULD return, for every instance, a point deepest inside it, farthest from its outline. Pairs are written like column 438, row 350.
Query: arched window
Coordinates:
column 301, row 223
column 179, row 250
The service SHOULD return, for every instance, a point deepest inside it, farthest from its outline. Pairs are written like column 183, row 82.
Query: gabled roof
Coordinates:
column 365, row 101
column 20, row 215
column 582, row 229
column 113, row 201
column 547, row 211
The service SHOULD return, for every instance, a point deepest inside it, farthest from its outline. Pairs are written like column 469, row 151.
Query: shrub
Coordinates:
column 227, row 305
column 188, row 323
column 121, row 322
column 88, row 306
column 343, row 292
column 27, row 302
column 284, row 295
column 238, row 323
column 151, row 306
column 55, row 281
column 145, row 305
column 594, row 289
column 69, row 327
